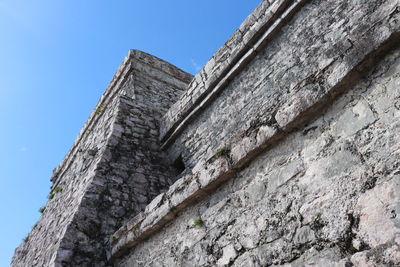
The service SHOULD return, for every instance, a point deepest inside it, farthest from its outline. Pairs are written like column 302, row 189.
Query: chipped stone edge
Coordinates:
column 278, row 13
column 207, row 175
column 122, row 73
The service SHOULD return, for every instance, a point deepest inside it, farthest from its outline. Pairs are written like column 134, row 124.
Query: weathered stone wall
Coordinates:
column 222, row 60
column 113, row 171
column 321, row 40
column 289, row 139
column 328, row 194
column 304, row 199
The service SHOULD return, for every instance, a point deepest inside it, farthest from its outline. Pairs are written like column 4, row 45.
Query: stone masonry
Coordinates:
column 113, row 171
column 284, row 150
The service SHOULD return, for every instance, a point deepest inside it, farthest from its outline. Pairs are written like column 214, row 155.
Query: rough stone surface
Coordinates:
column 223, row 59
column 305, row 61
column 113, row 171
column 284, row 150
column 326, row 195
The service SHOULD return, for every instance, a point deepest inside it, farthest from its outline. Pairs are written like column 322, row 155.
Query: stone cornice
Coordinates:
column 338, row 76
column 254, row 33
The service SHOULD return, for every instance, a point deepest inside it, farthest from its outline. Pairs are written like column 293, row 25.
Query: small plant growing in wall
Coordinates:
column 58, row 189
column 55, row 191
column 26, row 238
column 222, row 152
column 198, row 222
column 80, row 150
column 112, row 237
column 98, row 110
column 42, row 209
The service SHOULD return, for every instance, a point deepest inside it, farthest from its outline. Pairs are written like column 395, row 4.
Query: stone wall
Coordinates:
column 326, row 195
column 113, row 171
column 280, row 180
column 283, row 150
column 304, row 59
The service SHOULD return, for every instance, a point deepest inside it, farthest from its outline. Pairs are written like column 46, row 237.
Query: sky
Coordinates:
column 57, row 58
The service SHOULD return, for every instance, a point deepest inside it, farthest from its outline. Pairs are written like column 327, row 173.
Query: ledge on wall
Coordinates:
column 260, row 27
column 207, row 175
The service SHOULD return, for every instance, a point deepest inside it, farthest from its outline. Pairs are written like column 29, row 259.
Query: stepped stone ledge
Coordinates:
column 282, row 151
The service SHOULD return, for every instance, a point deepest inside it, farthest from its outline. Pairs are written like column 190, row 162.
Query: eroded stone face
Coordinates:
column 113, row 171
column 280, row 170
column 326, row 195
column 378, row 211
column 300, row 64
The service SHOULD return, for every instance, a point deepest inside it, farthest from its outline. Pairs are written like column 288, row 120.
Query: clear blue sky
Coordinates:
column 57, row 58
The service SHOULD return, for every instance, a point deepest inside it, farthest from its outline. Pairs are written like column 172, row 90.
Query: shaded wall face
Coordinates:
column 131, row 172
column 42, row 243
column 134, row 161
column 315, row 40
column 326, row 194
column 113, row 172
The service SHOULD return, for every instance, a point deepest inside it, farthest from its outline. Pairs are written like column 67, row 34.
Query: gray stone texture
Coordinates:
column 113, row 171
column 326, row 195
column 226, row 63
column 302, row 63
column 306, row 61
column 307, row 64
column 289, row 141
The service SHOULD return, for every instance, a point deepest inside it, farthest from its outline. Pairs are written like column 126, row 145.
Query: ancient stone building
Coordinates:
column 283, row 150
